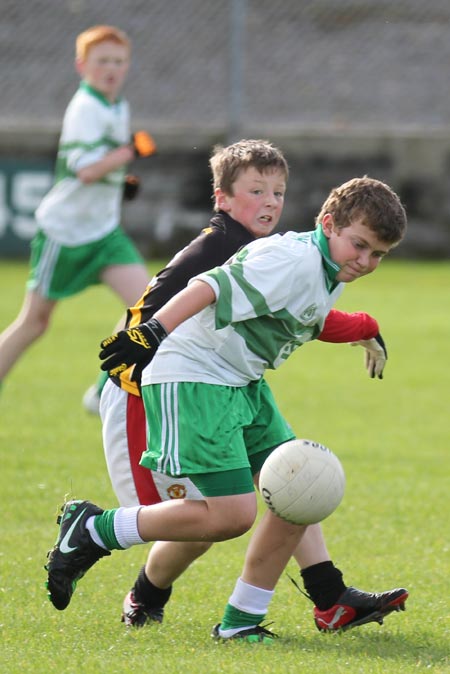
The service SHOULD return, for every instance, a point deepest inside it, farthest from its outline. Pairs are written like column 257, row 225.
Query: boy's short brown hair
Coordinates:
column 96, row 34
column 227, row 162
column 370, row 201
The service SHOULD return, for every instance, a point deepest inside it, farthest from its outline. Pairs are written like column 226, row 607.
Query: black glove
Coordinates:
column 131, row 187
column 375, row 356
column 135, row 345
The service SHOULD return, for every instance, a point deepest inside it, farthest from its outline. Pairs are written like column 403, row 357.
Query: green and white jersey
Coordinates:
column 273, row 297
column 72, row 213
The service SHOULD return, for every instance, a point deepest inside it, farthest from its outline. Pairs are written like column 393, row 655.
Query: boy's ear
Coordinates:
column 221, row 199
column 327, row 224
column 79, row 66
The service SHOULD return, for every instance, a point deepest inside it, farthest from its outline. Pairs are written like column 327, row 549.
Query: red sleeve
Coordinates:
column 341, row 326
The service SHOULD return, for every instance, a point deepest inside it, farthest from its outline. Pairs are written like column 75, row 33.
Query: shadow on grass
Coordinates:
column 418, row 648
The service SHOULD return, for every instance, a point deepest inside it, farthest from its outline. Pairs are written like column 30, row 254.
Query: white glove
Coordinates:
column 375, row 356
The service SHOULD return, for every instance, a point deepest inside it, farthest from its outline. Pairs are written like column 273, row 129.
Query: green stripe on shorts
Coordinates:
column 61, row 271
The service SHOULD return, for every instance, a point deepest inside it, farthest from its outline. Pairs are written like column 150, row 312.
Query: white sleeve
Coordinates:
column 257, row 286
column 210, row 280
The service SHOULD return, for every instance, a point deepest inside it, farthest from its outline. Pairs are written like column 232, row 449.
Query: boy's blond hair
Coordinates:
column 97, row 34
column 370, row 201
column 227, row 162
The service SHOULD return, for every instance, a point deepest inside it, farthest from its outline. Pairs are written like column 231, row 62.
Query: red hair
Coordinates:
column 92, row 36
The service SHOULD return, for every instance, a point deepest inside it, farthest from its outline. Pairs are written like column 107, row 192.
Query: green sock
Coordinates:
column 104, row 526
column 233, row 618
column 101, row 381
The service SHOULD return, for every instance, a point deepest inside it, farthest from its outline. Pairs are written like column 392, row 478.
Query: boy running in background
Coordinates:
column 79, row 242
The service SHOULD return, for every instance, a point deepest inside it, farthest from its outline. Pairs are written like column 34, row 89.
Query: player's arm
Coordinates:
column 138, row 345
column 110, row 162
column 141, row 145
column 341, row 326
column 185, row 304
column 359, row 329
column 212, row 247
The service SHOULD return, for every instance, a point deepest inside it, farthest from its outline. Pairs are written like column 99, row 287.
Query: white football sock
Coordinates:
column 126, row 528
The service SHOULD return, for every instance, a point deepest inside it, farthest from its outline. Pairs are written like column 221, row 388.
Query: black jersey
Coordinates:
column 212, row 247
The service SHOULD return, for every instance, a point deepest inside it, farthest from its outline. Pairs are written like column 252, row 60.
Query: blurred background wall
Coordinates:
column 344, row 87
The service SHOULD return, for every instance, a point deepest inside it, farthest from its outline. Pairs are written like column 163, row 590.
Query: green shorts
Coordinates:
column 218, row 436
column 60, row 271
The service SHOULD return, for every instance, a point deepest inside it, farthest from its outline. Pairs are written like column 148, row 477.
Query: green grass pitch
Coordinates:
column 391, row 529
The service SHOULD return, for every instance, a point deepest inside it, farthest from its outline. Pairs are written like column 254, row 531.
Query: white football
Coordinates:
column 302, row 481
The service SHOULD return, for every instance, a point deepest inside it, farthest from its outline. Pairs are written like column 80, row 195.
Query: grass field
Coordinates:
column 391, row 528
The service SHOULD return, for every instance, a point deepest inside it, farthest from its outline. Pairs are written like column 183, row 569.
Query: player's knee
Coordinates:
column 231, row 516
column 41, row 327
column 35, row 326
column 244, row 523
column 199, row 548
column 235, row 525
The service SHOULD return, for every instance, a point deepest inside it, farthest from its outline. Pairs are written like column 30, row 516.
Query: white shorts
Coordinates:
column 124, row 430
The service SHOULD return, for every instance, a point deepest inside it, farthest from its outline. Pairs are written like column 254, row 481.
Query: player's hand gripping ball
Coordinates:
column 302, row 482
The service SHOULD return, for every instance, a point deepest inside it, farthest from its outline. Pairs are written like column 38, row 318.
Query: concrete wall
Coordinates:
column 175, row 198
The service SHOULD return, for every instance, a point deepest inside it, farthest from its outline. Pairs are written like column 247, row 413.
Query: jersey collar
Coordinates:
column 331, row 268
column 94, row 92
column 229, row 221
